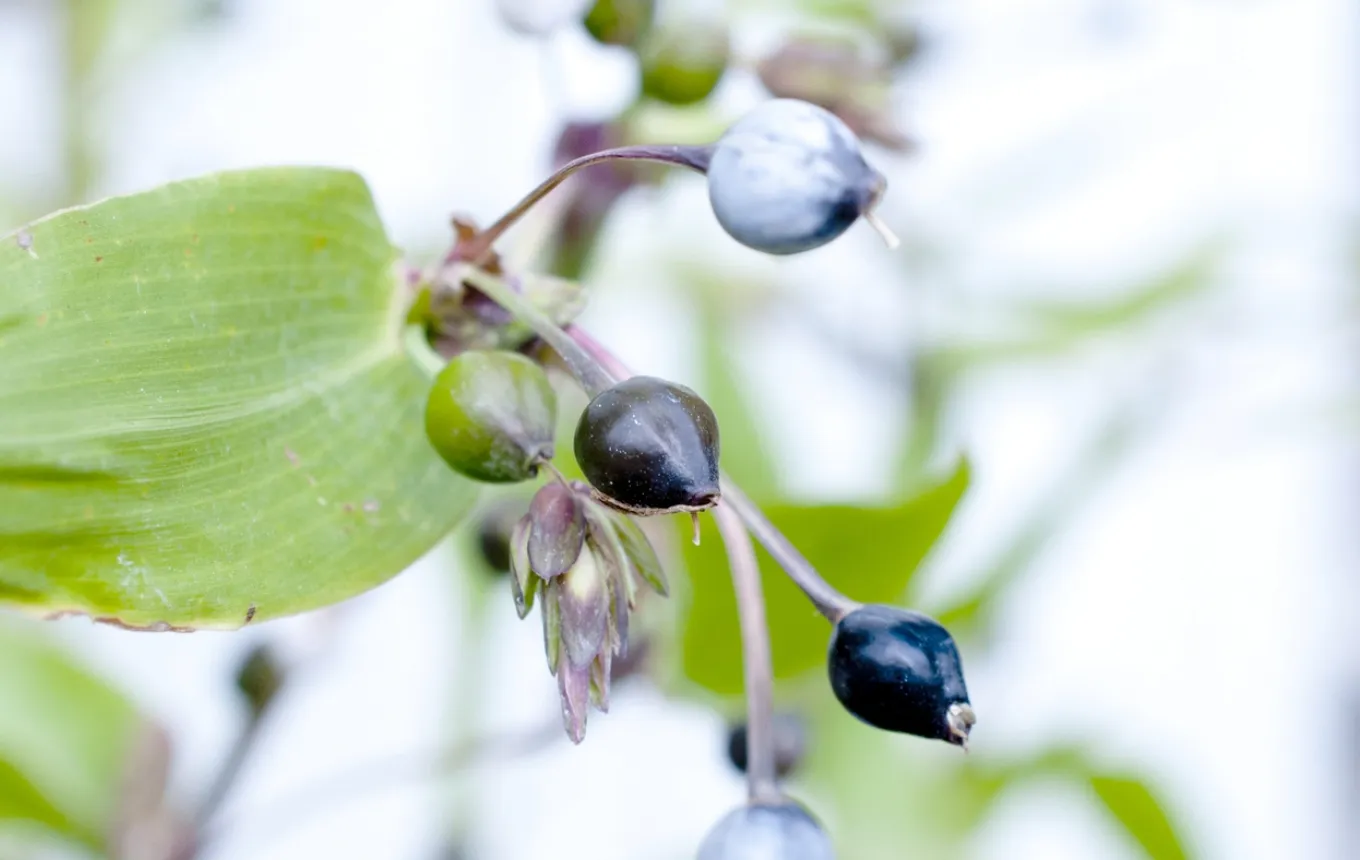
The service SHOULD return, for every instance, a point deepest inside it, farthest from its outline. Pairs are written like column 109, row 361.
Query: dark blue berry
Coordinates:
column 900, row 670
column 790, row 742
column 759, row 832
column 650, row 446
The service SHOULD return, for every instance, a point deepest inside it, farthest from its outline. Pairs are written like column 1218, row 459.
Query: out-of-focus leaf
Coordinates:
column 207, row 414
column 21, row 802
column 66, row 740
column 1141, row 814
column 868, row 553
column 744, row 457
column 1127, row 797
column 1051, row 328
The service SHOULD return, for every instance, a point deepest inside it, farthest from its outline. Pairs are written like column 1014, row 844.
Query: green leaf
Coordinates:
column 1141, row 814
column 21, row 802
column 67, row 740
column 1127, row 797
column 207, row 414
column 868, row 553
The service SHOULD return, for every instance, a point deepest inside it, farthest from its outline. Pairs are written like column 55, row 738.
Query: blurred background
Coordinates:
column 1124, row 316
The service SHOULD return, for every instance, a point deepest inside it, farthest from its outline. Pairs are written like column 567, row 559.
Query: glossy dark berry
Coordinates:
column 650, row 446
column 491, row 415
column 790, row 742
column 900, row 670
column 758, row 832
column 789, row 177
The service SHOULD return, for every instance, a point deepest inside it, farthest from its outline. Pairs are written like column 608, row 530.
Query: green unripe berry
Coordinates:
column 620, row 22
column 492, row 415
column 683, row 66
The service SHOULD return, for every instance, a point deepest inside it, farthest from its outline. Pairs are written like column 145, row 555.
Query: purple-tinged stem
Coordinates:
column 761, row 783
column 478, row 249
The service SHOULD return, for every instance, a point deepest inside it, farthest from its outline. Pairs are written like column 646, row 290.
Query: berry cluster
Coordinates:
column 787, row 177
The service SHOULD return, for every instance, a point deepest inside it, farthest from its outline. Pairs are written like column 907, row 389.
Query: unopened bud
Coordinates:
column 557, row 530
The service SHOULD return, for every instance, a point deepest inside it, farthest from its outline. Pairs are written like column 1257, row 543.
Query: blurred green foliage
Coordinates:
column 66, row 741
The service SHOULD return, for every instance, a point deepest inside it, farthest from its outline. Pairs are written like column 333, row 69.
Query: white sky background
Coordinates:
column 1199, row 616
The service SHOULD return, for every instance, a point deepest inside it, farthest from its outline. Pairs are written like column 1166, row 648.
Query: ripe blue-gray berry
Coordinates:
column 789, row 177
column 767, row 832
column 899, row 670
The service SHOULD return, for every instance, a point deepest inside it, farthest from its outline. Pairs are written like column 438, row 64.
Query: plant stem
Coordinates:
column 693, row 157
column 227, row 775
column 583, row 366
column 830, row 602
column 761, row 784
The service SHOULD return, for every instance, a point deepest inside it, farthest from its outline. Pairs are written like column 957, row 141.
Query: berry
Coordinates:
column 649, row 446
column 682, row 67
column 491, row 416
column 899, row 670
column 767, row 832
column 789, row 177
column 620, row 22
column 790, row 742
column 493, row 535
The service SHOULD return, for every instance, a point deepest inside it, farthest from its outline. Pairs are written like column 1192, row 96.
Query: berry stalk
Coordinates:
column 694, row 157
column 757, row 664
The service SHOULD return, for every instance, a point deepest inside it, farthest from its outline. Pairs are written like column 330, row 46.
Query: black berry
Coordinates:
column 790, row 742
column 900, row 670
column 649, row 446
column 493, row 534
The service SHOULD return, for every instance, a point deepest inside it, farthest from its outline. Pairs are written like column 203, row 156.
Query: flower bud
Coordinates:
column 492, row 415
column 557, row 530
column 584, row 602
column 259, row 678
